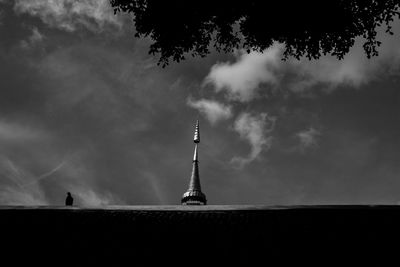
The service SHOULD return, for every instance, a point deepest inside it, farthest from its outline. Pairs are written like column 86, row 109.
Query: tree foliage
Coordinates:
column 308, row 28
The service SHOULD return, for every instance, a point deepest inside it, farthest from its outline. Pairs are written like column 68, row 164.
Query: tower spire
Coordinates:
column 194, row 196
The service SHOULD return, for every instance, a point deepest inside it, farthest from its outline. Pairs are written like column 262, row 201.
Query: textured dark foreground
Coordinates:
column 199, row 236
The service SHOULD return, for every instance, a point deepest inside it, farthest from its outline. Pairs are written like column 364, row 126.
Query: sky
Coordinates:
column 84, row 108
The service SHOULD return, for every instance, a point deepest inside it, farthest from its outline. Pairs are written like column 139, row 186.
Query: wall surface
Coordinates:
column 199, row 236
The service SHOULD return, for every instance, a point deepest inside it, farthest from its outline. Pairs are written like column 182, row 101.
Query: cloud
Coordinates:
column 68, row 15
column 241, row 79
column 32, row 168
column 86, row 197
column 17, row 185
column 308, row 138
column 18, row 132
column 35, row 38
column 17, row 196
column 254, row 129
column 1, row 16
column 3, row 2
column 156, row 186
column 213, row 110
column 354, row 70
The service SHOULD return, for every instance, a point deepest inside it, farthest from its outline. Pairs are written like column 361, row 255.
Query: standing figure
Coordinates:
column 69, row 200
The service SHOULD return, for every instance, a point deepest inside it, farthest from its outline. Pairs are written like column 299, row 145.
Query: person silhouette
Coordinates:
column 69, row 200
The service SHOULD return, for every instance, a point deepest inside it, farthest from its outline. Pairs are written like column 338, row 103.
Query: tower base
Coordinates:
column 194, row 198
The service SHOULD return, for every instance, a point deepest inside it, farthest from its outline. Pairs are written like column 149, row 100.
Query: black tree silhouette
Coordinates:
column 307, row 28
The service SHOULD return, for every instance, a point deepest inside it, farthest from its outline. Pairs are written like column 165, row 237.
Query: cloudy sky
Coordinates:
column 84, row 108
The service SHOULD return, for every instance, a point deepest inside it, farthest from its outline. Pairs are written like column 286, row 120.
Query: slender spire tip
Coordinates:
column 196, row 138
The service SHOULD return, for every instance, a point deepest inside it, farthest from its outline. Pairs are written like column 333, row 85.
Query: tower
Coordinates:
column 194, row 196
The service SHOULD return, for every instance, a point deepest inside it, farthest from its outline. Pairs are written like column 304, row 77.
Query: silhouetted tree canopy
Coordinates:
column 307, row 28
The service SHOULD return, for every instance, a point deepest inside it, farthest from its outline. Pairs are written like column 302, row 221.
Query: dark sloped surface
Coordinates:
column 241, row 235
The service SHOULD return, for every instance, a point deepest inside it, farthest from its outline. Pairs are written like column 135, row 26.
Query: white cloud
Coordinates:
column 241, row 79
column 354, row 70
column 213, row 110
column 308, row 138
column 70, row 14
column 254, row 129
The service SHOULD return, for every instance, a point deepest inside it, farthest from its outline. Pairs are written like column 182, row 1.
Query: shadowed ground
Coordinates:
column 225, row 235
